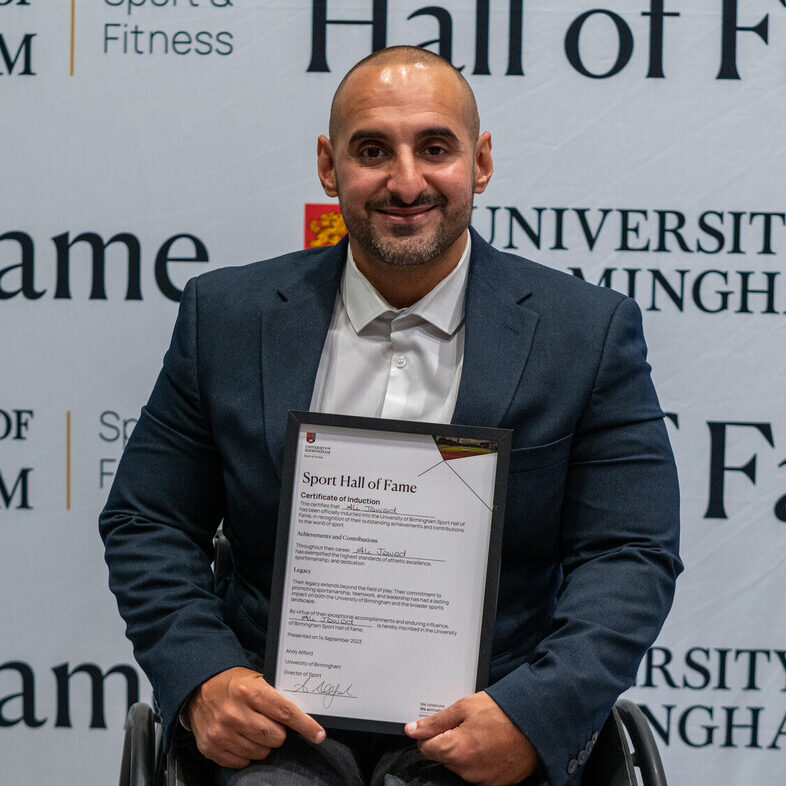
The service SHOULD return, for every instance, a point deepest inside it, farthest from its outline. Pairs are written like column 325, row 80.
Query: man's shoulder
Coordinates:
column 269, row 280
column 266, row 273
column 541, row 285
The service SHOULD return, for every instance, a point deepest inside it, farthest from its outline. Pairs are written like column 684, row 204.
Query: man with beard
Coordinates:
column 412, row 317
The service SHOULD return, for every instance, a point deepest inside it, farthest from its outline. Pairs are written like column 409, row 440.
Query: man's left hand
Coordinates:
column 475, row 739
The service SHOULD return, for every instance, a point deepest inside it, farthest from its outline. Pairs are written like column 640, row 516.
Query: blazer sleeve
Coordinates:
column 162, row 512
column 619, row 553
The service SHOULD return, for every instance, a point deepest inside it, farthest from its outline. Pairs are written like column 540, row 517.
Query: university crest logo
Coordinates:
column 324, row 225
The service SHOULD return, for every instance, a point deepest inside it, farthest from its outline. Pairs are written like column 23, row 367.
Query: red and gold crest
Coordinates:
column 324, row 225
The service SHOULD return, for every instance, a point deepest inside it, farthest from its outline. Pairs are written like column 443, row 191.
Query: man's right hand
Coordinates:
column 237, row 717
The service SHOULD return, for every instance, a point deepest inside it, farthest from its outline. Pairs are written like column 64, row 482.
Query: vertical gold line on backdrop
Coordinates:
column 73, row 16
column 68, row 460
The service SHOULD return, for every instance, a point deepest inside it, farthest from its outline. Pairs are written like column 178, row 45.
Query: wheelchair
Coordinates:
column 625, row 753
column 624, row 748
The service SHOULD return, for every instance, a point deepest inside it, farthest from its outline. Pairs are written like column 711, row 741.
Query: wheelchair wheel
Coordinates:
column 645, row 754
column 138, row 765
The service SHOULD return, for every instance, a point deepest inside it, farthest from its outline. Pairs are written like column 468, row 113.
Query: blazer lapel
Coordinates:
column 498, row 336
column 293, row 331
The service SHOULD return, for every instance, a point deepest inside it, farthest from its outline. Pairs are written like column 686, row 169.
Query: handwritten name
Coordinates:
column 326, row 617
column 380, row 552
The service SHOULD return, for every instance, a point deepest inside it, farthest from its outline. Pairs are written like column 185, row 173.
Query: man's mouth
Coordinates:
column 407, row 214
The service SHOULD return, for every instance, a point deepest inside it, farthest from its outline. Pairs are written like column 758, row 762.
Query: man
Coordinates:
column 414, row 317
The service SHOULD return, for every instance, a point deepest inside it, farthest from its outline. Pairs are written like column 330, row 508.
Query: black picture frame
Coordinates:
column 295, row 423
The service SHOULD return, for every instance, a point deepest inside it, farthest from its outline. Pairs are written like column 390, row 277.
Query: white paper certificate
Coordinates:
column 383, row 607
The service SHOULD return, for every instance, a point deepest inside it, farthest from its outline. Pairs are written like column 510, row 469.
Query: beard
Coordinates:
column 408, row 246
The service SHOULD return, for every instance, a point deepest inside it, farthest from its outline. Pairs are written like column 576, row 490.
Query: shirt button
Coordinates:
column 399, row 361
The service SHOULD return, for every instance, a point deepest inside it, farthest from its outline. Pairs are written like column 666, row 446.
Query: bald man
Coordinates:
column 590, row 551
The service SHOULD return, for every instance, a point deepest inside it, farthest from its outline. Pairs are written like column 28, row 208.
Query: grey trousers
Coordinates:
column 343, row 759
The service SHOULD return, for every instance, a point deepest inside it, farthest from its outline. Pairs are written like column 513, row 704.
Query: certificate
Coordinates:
column 386, row 567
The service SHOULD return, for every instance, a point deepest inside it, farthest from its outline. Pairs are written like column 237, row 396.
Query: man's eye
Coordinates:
column 434, row 151
column 371, row 152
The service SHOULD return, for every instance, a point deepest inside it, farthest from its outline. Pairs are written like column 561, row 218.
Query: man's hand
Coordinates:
column 475, row 739
column 237, row 716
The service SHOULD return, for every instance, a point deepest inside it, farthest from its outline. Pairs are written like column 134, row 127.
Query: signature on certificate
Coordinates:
column 328, row 690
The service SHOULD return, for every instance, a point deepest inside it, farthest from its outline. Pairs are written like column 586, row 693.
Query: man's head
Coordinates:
column 404, row 158
column 408, row 56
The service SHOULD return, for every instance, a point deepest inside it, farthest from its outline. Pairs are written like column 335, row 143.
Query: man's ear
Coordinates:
column 326, row 167
column 484, row 167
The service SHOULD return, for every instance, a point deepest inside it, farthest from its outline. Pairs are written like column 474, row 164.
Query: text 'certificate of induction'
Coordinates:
column 386, row 567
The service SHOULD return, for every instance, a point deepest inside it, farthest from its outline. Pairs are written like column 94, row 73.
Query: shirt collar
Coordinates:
column 442, row 307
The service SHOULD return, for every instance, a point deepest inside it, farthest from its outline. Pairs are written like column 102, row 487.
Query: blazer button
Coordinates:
column 573, row 766
column 582, row 758
column 594, row 738
column 589, row 746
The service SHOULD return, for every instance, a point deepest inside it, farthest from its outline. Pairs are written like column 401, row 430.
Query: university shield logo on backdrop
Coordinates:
column 324, row 225
column 310, row 436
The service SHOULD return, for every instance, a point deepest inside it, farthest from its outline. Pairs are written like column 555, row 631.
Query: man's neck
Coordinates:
column 403, row 286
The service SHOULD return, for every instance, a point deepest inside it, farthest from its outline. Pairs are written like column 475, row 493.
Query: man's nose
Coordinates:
column 406, row 178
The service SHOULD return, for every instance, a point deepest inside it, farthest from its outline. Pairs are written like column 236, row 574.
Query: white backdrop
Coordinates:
column 642, row 151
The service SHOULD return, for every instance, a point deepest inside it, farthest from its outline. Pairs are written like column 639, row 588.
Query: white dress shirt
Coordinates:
column 380, row 361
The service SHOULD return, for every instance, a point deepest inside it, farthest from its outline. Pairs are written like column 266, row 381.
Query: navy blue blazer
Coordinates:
column 589, row 556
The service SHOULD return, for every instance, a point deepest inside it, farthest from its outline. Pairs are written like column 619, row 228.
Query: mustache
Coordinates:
column 421, row 200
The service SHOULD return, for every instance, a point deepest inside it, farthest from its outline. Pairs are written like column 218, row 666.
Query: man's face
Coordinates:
column 403, row 163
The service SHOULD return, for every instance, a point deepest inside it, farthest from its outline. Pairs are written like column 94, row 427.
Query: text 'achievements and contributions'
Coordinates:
column 387, row 566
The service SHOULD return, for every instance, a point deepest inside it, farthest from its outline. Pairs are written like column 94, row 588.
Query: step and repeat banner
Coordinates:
column 640, row 145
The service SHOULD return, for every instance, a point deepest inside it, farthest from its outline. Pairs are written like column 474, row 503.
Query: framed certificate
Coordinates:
column 386, row 567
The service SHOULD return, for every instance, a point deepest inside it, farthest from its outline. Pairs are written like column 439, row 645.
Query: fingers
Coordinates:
column 440, row 722
column 454, row 749
column 230, row 749
column 481, row 744
column 227, row 759
column 236, row 716
column 265, row 699
column 238, row 735
column 253, row 744
column 439, row 735
column 270, row 734
column 442, row 747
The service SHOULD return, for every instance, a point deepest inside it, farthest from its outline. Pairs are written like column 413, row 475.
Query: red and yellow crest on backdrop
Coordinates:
column 324, row 225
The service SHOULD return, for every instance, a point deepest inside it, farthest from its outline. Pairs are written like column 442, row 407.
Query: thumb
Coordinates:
column 426, row 728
